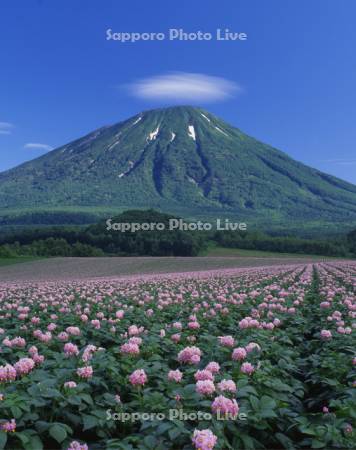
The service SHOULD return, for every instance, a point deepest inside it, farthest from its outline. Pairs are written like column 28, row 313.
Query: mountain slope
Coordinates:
column 178, row 159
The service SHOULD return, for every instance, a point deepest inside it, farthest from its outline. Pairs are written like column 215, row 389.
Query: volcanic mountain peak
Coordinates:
column 180, row 159
column 183, row 117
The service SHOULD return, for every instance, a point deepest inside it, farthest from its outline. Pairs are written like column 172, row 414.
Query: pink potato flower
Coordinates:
column 175, row 375
column 253, row 346
column 247, row 368
column 227, row 385
column 71, row 349
column 138, row 377
column 202, row 375
column 7, row 373
column 130, row 349
column 213, row 367
column 190, row 355
column 85, row 372
column 227, row 341
column 239, row 354
column 325, row 334
column 204, row 439
column 75, row 445
column 205, row 387
column 224, row 405
column 24, row 366
column 9, row 427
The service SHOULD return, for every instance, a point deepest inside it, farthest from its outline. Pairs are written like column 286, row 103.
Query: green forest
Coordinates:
column 97, row 240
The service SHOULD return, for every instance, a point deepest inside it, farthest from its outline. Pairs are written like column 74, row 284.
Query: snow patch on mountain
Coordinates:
column 221, row 131
column 192, row 181
column 113, row 144
column 191, row 132
column 152, row 136
column 137, row 121
column 131, row 164
column 205, row 117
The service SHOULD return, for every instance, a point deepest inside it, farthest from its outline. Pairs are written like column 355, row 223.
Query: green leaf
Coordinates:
column 285, row 441
column 249, row 443
column 87, row 398
column 267, row 413
column 74, row 400
column 3, row 439
column 42, row 426
column 306, row 430
column 58, row 432
column 317, row 444
column 150, row 441
column 39, row 402
column 243, row 392
column 174, row 433
column 163, row 428
column 16, row 412
column 34, row 444
column 267, row 402
column 89, row 422
column 50, row 393
column 254, row 403
column 23, row 436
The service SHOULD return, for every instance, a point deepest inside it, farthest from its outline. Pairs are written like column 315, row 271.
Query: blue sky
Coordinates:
column 60, row 78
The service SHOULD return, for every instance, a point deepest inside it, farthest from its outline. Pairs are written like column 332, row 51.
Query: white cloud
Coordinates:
column 184, row 86
column 6, row 127
column 37, row 146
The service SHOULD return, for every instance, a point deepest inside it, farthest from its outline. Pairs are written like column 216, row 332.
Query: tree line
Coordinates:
column 97, row 240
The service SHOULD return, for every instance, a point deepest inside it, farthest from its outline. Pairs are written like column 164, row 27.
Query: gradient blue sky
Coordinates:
column 60, row 78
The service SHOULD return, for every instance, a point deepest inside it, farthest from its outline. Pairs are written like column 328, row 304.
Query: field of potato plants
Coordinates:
column 259, row 358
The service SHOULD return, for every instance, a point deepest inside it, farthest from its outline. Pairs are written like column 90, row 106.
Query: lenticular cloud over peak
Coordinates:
column 184, row 86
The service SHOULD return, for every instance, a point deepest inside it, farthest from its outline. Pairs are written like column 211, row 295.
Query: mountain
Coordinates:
column 181, row 160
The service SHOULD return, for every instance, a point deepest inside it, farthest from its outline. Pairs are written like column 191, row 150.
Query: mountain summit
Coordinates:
column 181, row 160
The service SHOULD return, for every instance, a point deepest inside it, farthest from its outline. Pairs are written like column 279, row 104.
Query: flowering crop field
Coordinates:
column 262, row 358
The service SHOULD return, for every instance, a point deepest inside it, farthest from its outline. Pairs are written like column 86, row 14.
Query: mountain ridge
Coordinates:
column 178, row 158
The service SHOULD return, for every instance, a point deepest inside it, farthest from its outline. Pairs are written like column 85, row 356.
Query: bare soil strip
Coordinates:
column 60, row 269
